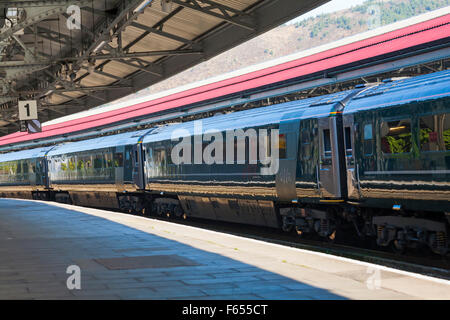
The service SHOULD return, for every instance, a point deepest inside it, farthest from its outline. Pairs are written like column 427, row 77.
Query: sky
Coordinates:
column 331, row 6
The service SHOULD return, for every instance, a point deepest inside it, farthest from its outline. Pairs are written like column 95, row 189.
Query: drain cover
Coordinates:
column 142, row 262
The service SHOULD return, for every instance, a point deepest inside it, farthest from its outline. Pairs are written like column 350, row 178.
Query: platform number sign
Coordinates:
column 28, row 110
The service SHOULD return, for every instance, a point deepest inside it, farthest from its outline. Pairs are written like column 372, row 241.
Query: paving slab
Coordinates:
column 120, row 256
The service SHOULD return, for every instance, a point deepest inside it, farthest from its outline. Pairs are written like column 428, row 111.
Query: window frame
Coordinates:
column 418, row 132
column 398, row 118
column 365, row 124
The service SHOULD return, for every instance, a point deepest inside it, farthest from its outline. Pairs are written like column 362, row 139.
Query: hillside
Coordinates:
column 309, row 33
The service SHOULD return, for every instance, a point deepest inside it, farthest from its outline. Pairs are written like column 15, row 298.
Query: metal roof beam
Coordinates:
column 227, row 14
column 70, row 98
column 75, row 89
column 126, row 12
column 150, row 68
column 31, row 3
column 51, row 35
column 106, row 74
column 94, row 11
column 158, row 25
column 161, row 33
column 116, row 56
column 112, row 56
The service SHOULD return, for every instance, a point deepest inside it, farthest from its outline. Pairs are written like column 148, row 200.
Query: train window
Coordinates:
column 396, row 136
column 97, row 162
column 118, row 159
column 368, row 139
column 160, row 156
column 25, row 167
column 169, row 155
column 80, row 165
column 327, row 143
column 435, row 132
column 348, row 141
column 149, row 155
column 282, row 154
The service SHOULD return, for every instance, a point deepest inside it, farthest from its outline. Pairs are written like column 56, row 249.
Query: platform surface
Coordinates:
column 128, row 257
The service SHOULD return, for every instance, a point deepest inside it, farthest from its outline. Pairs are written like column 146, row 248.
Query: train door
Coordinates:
column 138, row 166
column 350, row 131
column 44, row 173
column 288, row 150
column 119, row 167
column 128, row 165
column 308, row 161
column 329, row 166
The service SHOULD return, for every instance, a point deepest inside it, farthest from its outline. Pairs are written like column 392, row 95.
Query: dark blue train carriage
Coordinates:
column 376, row 158
column 24, row 173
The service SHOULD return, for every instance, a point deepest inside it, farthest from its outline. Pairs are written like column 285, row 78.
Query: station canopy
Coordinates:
column 74, row 55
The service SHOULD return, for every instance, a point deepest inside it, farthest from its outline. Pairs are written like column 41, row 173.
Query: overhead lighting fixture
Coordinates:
column 100, row 45
column 397, row 128
column 142, row 6
column 166, row 6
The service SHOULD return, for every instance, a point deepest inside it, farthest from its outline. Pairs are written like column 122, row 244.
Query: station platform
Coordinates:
column 129, row 257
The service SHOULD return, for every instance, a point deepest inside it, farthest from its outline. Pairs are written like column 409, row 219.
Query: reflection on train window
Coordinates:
column 348, row 142
column 282, row 146
column 149, row 153
column 305, row 136
column 435, row 132
column 305, row 149
column 25, row 167
column 97, row 162
column 80, row 165
column 160, row 156
column 169, row 157
column 327, row 143
column 118, row 159
column 368, row 139
column 396, row 136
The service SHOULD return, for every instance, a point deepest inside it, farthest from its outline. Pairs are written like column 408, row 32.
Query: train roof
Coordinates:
column 121, row 139
column 431, row 86
column 320, row 106
column 25, row 154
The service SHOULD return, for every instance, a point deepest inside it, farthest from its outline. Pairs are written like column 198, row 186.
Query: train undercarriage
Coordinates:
column 399, row 230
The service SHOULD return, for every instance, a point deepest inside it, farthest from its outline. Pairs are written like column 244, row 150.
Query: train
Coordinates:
column 373, row 161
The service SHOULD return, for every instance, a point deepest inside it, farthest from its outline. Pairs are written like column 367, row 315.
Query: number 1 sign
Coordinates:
column 28, row 110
